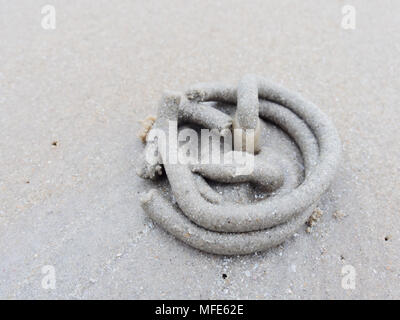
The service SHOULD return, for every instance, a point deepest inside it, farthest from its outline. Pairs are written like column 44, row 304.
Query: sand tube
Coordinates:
column 206, row 191
column 202, row 114
column 282, row 212
column 265, row 174
column 272, row 173
column 246, row 116
column 171, row 219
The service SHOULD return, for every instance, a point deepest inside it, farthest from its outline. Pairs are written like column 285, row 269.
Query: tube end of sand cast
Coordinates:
column 147, row 197
column 171, row 97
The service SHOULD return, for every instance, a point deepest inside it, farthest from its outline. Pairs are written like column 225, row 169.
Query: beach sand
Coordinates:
column 70, row 104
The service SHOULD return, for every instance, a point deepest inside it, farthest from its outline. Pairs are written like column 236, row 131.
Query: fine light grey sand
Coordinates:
column 70, row 102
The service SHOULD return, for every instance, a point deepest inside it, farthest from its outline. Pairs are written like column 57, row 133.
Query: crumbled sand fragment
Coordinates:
column 312, row 221
column 147, row 124
column 339, row 215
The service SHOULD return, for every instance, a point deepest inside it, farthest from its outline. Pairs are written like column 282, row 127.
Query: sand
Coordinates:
column 85, row 85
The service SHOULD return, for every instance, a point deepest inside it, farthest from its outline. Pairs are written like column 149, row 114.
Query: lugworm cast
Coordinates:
column 232, row 228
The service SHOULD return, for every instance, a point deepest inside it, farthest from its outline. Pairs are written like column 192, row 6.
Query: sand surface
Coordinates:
column 84, row 86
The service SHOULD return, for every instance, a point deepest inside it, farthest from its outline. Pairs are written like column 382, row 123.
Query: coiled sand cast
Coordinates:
column 199, row 216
